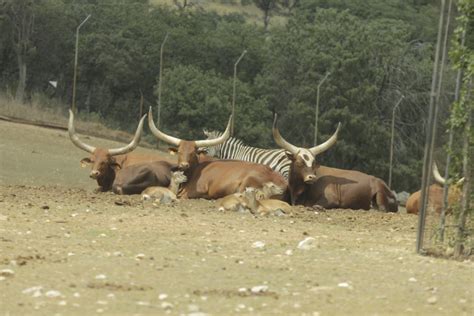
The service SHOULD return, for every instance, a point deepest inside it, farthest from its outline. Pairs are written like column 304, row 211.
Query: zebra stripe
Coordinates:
column 234, row 148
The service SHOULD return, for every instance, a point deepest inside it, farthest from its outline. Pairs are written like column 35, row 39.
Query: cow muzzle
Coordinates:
column 183, row 166
column 94, row 174
column 309, row 179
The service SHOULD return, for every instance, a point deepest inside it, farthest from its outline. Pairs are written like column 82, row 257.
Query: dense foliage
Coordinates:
column 375, row 52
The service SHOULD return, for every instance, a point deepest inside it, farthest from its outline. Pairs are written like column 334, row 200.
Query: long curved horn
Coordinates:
column 437, row 176
column 133, row 144
column 159, row 134
column 316, row 150
column 218, row 140
column 74, row 138
column 280, row 140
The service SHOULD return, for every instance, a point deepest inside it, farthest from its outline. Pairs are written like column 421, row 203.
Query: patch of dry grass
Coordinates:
column 44, row 111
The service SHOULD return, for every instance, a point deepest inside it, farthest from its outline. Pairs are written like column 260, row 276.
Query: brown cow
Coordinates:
column 105, row 162
column 136, row 178
column 311, row 184
column 218, row 178
column 303, row 162
column 339, row 188
column 435, row 195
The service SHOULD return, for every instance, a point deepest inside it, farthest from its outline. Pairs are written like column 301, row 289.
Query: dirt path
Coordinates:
column 72, row 251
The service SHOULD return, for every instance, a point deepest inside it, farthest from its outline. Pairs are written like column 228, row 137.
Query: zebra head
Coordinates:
column 213, row 151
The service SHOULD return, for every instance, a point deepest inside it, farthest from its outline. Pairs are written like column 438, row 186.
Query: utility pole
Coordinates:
column 391, row 142
column 75, row 64
column 316, row 112
column 233, row 91
column 158, row 110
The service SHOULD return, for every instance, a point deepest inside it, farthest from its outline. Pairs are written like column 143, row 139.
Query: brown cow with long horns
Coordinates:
column 435, row 194
column 311, row 184
column 217, row 178
column 106, row 162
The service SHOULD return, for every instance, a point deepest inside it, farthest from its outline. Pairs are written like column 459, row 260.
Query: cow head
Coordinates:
column 102, row 159
column 441, row 180
column 303, row 160
column 188, row 150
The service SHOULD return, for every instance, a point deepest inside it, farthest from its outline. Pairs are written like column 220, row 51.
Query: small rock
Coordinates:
column 412, row 279
column 289, row 252
column 140, row 256
column 102, row 302
column 3, row 217
column 142, row 303
column 166, row 305
column 32, row 289
column 344, row 285
column 7, row 273
column 432, row 300
column 162, row 296
column 2, row 278
column 77, row 294
column 118, row 254
column 100, row 277
column 242, row 290
column 52, row 293
column 259, row 289
column 306, row 243
column 258, row 244
column 62, row 303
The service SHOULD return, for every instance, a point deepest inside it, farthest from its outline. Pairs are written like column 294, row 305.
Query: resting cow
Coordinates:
column 218, row 178
column 106, row 162
column 310, row 183
column 435, row 195
column 136, row 178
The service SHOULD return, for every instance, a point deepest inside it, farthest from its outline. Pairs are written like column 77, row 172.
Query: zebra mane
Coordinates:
column 215, row 134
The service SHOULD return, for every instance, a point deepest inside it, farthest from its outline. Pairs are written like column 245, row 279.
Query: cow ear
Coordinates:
column 85, row 162
column 173, row 150
column 115, row 166
column 290, row 156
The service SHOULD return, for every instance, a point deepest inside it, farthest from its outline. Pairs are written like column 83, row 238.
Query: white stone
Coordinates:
column 258, row 244
column 259, row 289
column 7, row 272
column 412, row 279
column 32, row 289
column 306, row 243
column 52, row 293
column 162, row 296
column 100, row 277
column 166, row 305
column 289, row 252
column 344, row 285
column 140, row 256
column 432, row 300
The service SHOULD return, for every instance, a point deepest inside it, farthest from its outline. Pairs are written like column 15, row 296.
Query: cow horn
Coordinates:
column 280, row 140
column 159, row 134
column 218, row 140
column 437, row 176
column 133, row 144
column 74, row 138
column 316, row 150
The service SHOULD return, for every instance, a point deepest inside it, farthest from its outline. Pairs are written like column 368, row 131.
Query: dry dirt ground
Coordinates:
column 65, row 250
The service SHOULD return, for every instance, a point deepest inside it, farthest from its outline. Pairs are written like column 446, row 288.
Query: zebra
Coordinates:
column 234, row 148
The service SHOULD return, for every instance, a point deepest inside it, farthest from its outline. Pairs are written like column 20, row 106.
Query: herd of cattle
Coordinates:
column 242, row 177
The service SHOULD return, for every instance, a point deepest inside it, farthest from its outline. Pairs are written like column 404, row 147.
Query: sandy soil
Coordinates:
column 65, row 250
